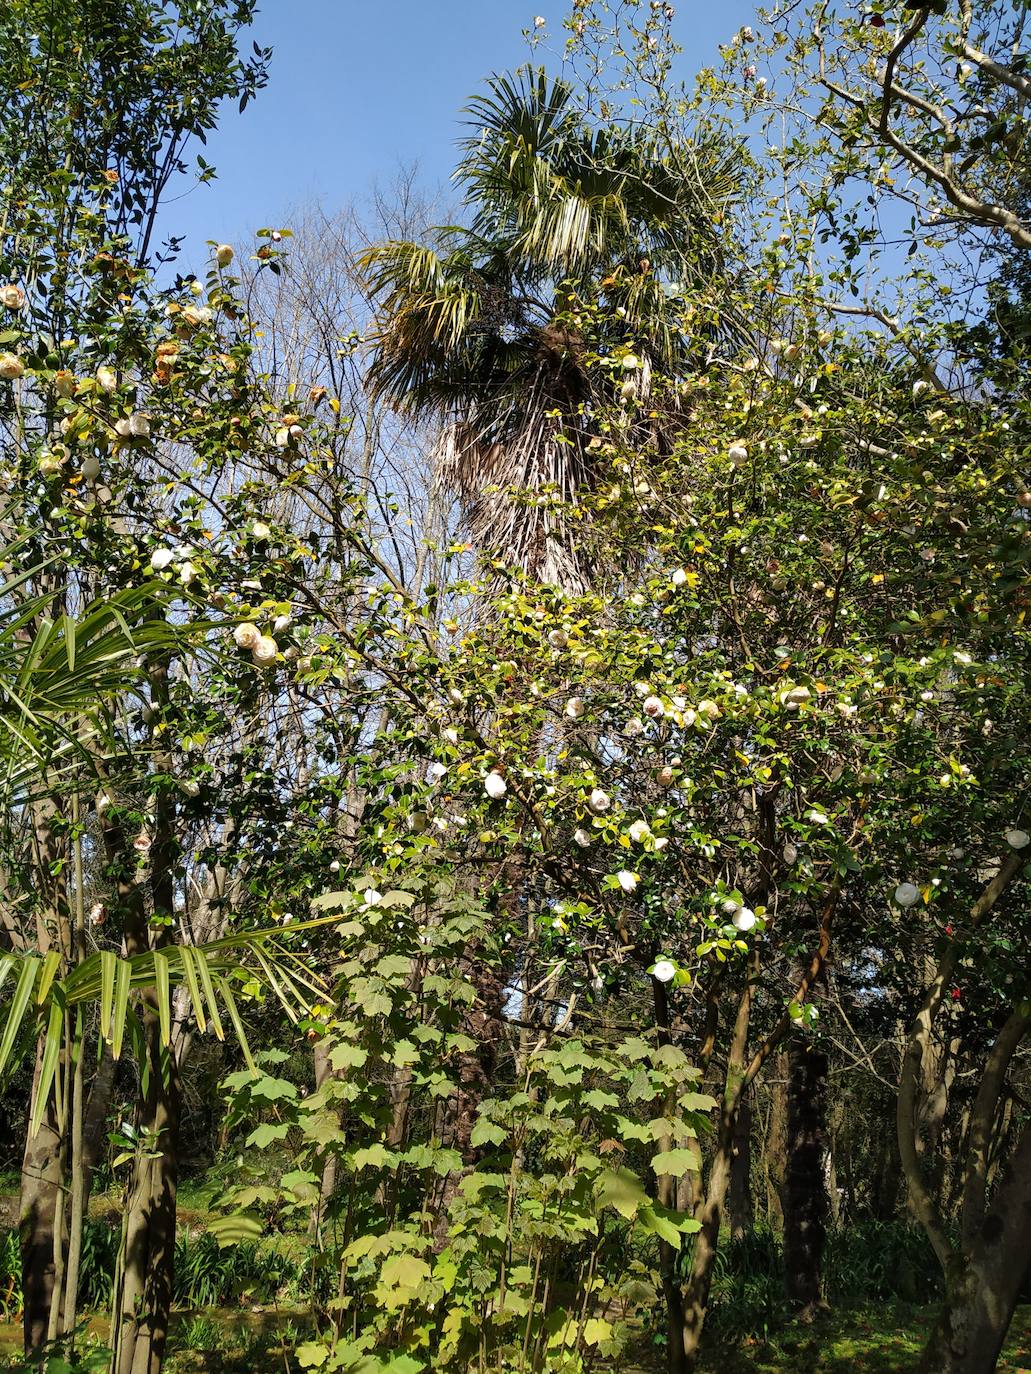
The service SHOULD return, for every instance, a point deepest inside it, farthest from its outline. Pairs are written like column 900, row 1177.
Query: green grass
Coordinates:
column 878, row 1340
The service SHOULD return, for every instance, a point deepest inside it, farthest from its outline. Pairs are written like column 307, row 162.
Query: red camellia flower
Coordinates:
column 956, row 994
column 876, row 21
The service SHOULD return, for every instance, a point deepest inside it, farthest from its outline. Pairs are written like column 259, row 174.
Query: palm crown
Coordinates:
column 478, row 328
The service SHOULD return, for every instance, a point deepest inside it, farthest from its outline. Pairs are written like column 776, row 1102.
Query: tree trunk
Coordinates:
column 739, row 1201
column 777, row 1143
column 984, row 1281
column 805, row 1216
column 40, row 1192
column 710, row 1210
column 143, row 1293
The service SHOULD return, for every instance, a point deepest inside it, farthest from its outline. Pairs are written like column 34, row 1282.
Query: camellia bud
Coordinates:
column 49, row 464
column 224, row 254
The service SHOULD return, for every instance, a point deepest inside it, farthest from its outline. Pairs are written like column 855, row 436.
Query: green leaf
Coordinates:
column 231, row 1230
column 621, row 1189
column 675, row 1162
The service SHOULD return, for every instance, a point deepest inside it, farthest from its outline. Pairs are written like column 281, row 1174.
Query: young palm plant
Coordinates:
column 483, row 330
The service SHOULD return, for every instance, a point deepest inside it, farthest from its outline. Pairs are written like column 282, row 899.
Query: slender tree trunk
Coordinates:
column 777, row 1143
column 666, row 1195
column 739, row 1200
column 710, row 1210
column 984, row 1280
column 40, row 1192
column 323, row 1070
column 143, row 1297
column 805, row 1216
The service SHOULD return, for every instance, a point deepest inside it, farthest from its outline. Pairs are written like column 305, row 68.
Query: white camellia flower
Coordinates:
column 224, row 254
column 264, row 652
column 372, row 897
column 575, row 708
column 906, row 894
column 197, row 314
column 539, row 21
column 795, row 696
column 679, row 577
column 664, row 777
column 282, row 623
column 846, row 709
column 64, row 383
column 139, row 426
column 627, row 880
column 790, row 853
column 12, row 296
column 494, row 785
column 11, row 367
column 919, row 388
column 335, row 866
column 283, row 437
column 106, row 379
column 581, row 837
column 190, row 786
column 188, row 573
column 260, row 531
column 738, row 455
column 558, row 639
column 49, row 464
column 816, row 817
column 633, row 727
column 809, row 441
column 743, row 919
column 730, row 905
column 639, row 831
column 709, row 708
column 161, row 558
column 437, row 770
column 105, row 801
column 653, row 707
column 660, row 844
column 631, row 363
column 246, row 635
column 1018, row 839
column 663, row 971
column 599, row 801
column 90, row 468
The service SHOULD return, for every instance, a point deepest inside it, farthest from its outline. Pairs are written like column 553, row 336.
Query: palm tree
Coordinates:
column 481, row 328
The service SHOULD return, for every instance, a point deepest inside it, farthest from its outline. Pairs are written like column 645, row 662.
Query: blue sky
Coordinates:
column 359, row 88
